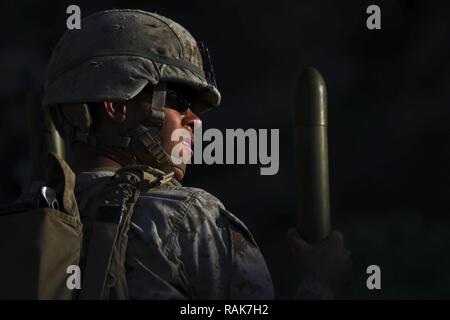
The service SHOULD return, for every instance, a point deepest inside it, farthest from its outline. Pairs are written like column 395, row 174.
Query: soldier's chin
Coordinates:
column 179, row 163
column 178, row 172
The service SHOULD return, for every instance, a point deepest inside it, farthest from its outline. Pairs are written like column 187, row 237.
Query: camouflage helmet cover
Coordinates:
column 116, row 53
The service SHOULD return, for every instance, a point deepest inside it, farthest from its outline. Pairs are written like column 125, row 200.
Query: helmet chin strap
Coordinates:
column 145, row 142
column 142, row 142
column 147, row 148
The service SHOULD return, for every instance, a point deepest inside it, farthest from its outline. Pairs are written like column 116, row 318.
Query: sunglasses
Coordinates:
column 178, row 100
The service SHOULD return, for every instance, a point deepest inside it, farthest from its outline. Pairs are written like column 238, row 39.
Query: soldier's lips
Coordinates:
column 188, row 146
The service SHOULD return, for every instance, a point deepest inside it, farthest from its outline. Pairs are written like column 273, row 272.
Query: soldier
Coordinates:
column 116, row 90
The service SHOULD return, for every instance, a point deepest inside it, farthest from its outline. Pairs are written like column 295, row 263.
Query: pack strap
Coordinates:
column 110, row 227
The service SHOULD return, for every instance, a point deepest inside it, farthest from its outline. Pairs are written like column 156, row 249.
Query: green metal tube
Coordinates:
column 42, row 136
column 311, row 151
column 35, row 141
column 53, row 141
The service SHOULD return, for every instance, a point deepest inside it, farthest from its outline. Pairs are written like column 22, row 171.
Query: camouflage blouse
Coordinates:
column 184, row 244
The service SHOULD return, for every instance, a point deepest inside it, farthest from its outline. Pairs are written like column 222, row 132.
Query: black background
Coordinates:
column 388, row 93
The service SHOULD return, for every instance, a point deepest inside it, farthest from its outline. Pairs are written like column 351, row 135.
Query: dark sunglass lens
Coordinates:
column 177, row 101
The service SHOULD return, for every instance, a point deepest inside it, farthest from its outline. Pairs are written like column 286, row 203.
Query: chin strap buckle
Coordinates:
column 158, row 104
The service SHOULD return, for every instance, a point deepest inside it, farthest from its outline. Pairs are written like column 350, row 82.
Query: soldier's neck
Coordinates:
column 87, row 158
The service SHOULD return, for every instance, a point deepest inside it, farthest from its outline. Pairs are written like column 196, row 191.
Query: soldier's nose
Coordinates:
column 191, row 120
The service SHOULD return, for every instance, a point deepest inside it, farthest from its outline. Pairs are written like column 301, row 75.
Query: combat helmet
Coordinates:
column 114, row 55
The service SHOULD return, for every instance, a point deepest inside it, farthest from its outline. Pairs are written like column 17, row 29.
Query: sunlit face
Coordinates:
column 176, row 120
column 175, row 117
column 128, row 115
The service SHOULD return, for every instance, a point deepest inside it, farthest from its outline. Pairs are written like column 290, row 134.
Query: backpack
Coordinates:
column 49, row 252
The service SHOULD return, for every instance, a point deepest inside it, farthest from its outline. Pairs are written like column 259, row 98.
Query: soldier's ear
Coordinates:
column 116, row 111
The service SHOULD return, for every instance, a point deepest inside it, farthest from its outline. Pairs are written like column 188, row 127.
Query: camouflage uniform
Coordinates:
column 184, row 244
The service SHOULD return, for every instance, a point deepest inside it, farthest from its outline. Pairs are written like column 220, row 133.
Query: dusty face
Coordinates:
column 173, row 120
column 175, row 117
column 122, row 116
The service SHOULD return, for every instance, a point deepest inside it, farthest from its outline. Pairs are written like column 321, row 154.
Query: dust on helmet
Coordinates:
column 114, row 55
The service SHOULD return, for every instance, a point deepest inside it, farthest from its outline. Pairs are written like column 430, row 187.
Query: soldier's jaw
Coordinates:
column 178, row 173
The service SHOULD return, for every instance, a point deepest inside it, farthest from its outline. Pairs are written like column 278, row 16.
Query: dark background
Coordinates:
column 388, row 93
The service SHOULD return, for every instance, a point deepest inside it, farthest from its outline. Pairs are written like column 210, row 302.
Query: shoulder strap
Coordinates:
column 105, row 261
